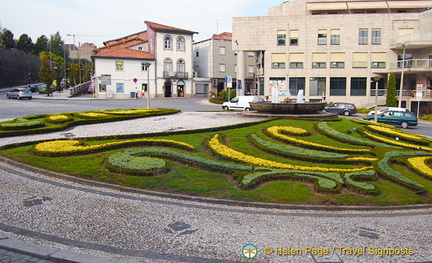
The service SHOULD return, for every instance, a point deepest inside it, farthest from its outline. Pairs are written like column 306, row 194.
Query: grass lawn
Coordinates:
column 262, row 162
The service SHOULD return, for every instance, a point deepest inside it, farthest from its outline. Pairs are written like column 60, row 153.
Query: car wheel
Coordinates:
column 18, row 97
column 324, row 110
column 404, row 125
column 346, row 113
column 225, row 108
column 247, row 109
column 30, row 98
column 8, row 96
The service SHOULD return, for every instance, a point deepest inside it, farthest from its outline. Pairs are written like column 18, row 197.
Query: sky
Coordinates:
column 96, row 21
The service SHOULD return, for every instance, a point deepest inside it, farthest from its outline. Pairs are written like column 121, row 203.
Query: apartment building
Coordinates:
column 215, row 61
column 157, row 61
column 340, row 50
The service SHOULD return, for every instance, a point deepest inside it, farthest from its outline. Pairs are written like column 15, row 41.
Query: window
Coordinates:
column 408, row 60
column 322, row 37
column 430, row 60
column 335, row 37
column 120, row 88
column 250, row 69
column 222, row 50
column 180, row 43
column 197, row 54
column 119, row 65
column 363, row 36
column 379, row 59
column 294, row 37
column 358, row 86
column 360, row 60
column 337, row 86
column 319, row 60
column 222, row 67
column 143, row 66
column 181, row 66
column 168, row 66
column 337, row 60
column 168, row 42
column 296, row 60
column 317, row 86
column 376, row 36
column 278, row 60
column 281, row 37
column 296, row 84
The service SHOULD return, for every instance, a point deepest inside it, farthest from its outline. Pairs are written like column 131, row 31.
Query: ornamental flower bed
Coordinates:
column 253, row 161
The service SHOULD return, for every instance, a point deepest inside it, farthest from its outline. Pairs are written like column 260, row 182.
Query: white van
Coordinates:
column 386, row 109
column 241, row 103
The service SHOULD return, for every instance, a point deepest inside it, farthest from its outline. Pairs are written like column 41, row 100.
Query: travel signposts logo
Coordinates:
column 249, row 251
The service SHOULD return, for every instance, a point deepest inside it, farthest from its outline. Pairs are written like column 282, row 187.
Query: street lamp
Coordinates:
column 376, row 79
column 404, row 45
column 64, row 65
column 147, row 65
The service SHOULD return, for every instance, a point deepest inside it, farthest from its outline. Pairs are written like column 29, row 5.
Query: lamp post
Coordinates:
column 147, row 65
column 376, row 79
column 404, row 45
column 64, row 65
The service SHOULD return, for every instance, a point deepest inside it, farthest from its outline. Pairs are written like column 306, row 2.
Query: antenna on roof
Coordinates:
column 217, row 25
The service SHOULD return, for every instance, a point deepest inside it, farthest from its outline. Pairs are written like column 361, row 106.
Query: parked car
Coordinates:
column 344, row 108
column 386, row 109
column 241, row 103
column 91, row 89
column 33, row 87
column 42, row 88
column 19, row 93
column 404, row 119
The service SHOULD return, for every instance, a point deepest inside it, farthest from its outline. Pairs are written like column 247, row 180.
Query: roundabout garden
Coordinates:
column 309, row 162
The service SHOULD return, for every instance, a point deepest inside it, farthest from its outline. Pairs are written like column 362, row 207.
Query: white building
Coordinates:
column 333, row 49
column 159, row 58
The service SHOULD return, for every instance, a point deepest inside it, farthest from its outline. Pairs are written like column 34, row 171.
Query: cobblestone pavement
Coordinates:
column 113, row 225
column 7, row 256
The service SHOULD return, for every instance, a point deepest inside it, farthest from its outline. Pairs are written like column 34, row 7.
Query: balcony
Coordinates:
column 412, row 65
column 175, row 75
column 413, row 41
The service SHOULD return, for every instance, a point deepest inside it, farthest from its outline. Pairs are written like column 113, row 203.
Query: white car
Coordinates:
column 386, row 109
column 241, row 103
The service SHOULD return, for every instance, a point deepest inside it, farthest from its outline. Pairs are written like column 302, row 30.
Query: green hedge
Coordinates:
column 363, row 187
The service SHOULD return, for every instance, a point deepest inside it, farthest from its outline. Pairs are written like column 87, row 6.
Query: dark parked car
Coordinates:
column 344, row 108
column 404, row 119
column 19, row 93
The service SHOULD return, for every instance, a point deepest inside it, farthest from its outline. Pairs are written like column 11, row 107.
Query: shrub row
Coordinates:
column 282, row 149
column 396, row 142
column 20, row 124
column 421, row 165
column 402, row 135
column 222, row 150
column 329, row 131
column 58, row 119
column 385, row 169
column 75, row 147
column 363, row 187
column 126, row 163
column 275, row 133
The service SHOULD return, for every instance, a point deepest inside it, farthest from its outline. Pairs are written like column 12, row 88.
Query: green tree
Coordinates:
column 40, row 45
column 45, row 71
column 7, row 38
column 391, row 91
column 25, row 43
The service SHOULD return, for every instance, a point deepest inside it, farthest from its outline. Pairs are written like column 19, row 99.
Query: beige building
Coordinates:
column 333, row 49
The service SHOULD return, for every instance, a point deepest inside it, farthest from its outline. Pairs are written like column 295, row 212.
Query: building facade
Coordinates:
column 334, row 50
column 214, row 59
column 159, row 59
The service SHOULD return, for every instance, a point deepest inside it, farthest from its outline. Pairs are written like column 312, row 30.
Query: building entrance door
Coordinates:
column 168, row 88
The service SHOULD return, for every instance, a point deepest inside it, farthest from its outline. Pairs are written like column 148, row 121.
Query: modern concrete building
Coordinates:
column 333, row 49
column 159, row 58
column 215, row 59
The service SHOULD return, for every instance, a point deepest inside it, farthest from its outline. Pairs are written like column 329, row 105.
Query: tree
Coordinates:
column 7, row 39
column 45, row 71
column 391, row 91
column 40, row 45
column 25, row 43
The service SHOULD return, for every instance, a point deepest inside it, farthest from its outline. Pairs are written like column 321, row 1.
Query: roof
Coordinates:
column 223, row 36
column 126, row 54
column 168, row 29
column 123, row 42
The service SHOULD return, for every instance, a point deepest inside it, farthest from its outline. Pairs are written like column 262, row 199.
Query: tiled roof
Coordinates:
column 126, row 53
column 223, row 36
column 163, row 28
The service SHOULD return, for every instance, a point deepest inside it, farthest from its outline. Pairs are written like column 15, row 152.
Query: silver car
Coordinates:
column 19, row 93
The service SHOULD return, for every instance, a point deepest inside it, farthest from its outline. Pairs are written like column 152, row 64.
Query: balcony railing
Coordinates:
column 175, row 75
column 425, row 64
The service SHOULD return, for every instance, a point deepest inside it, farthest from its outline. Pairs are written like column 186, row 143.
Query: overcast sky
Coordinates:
column 95, row 21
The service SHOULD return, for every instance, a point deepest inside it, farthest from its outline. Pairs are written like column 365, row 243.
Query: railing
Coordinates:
column 175, row 74
column 79, row 89
column 415, row 37
column 413, row 93
column 381, row 92
column 413, row 64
